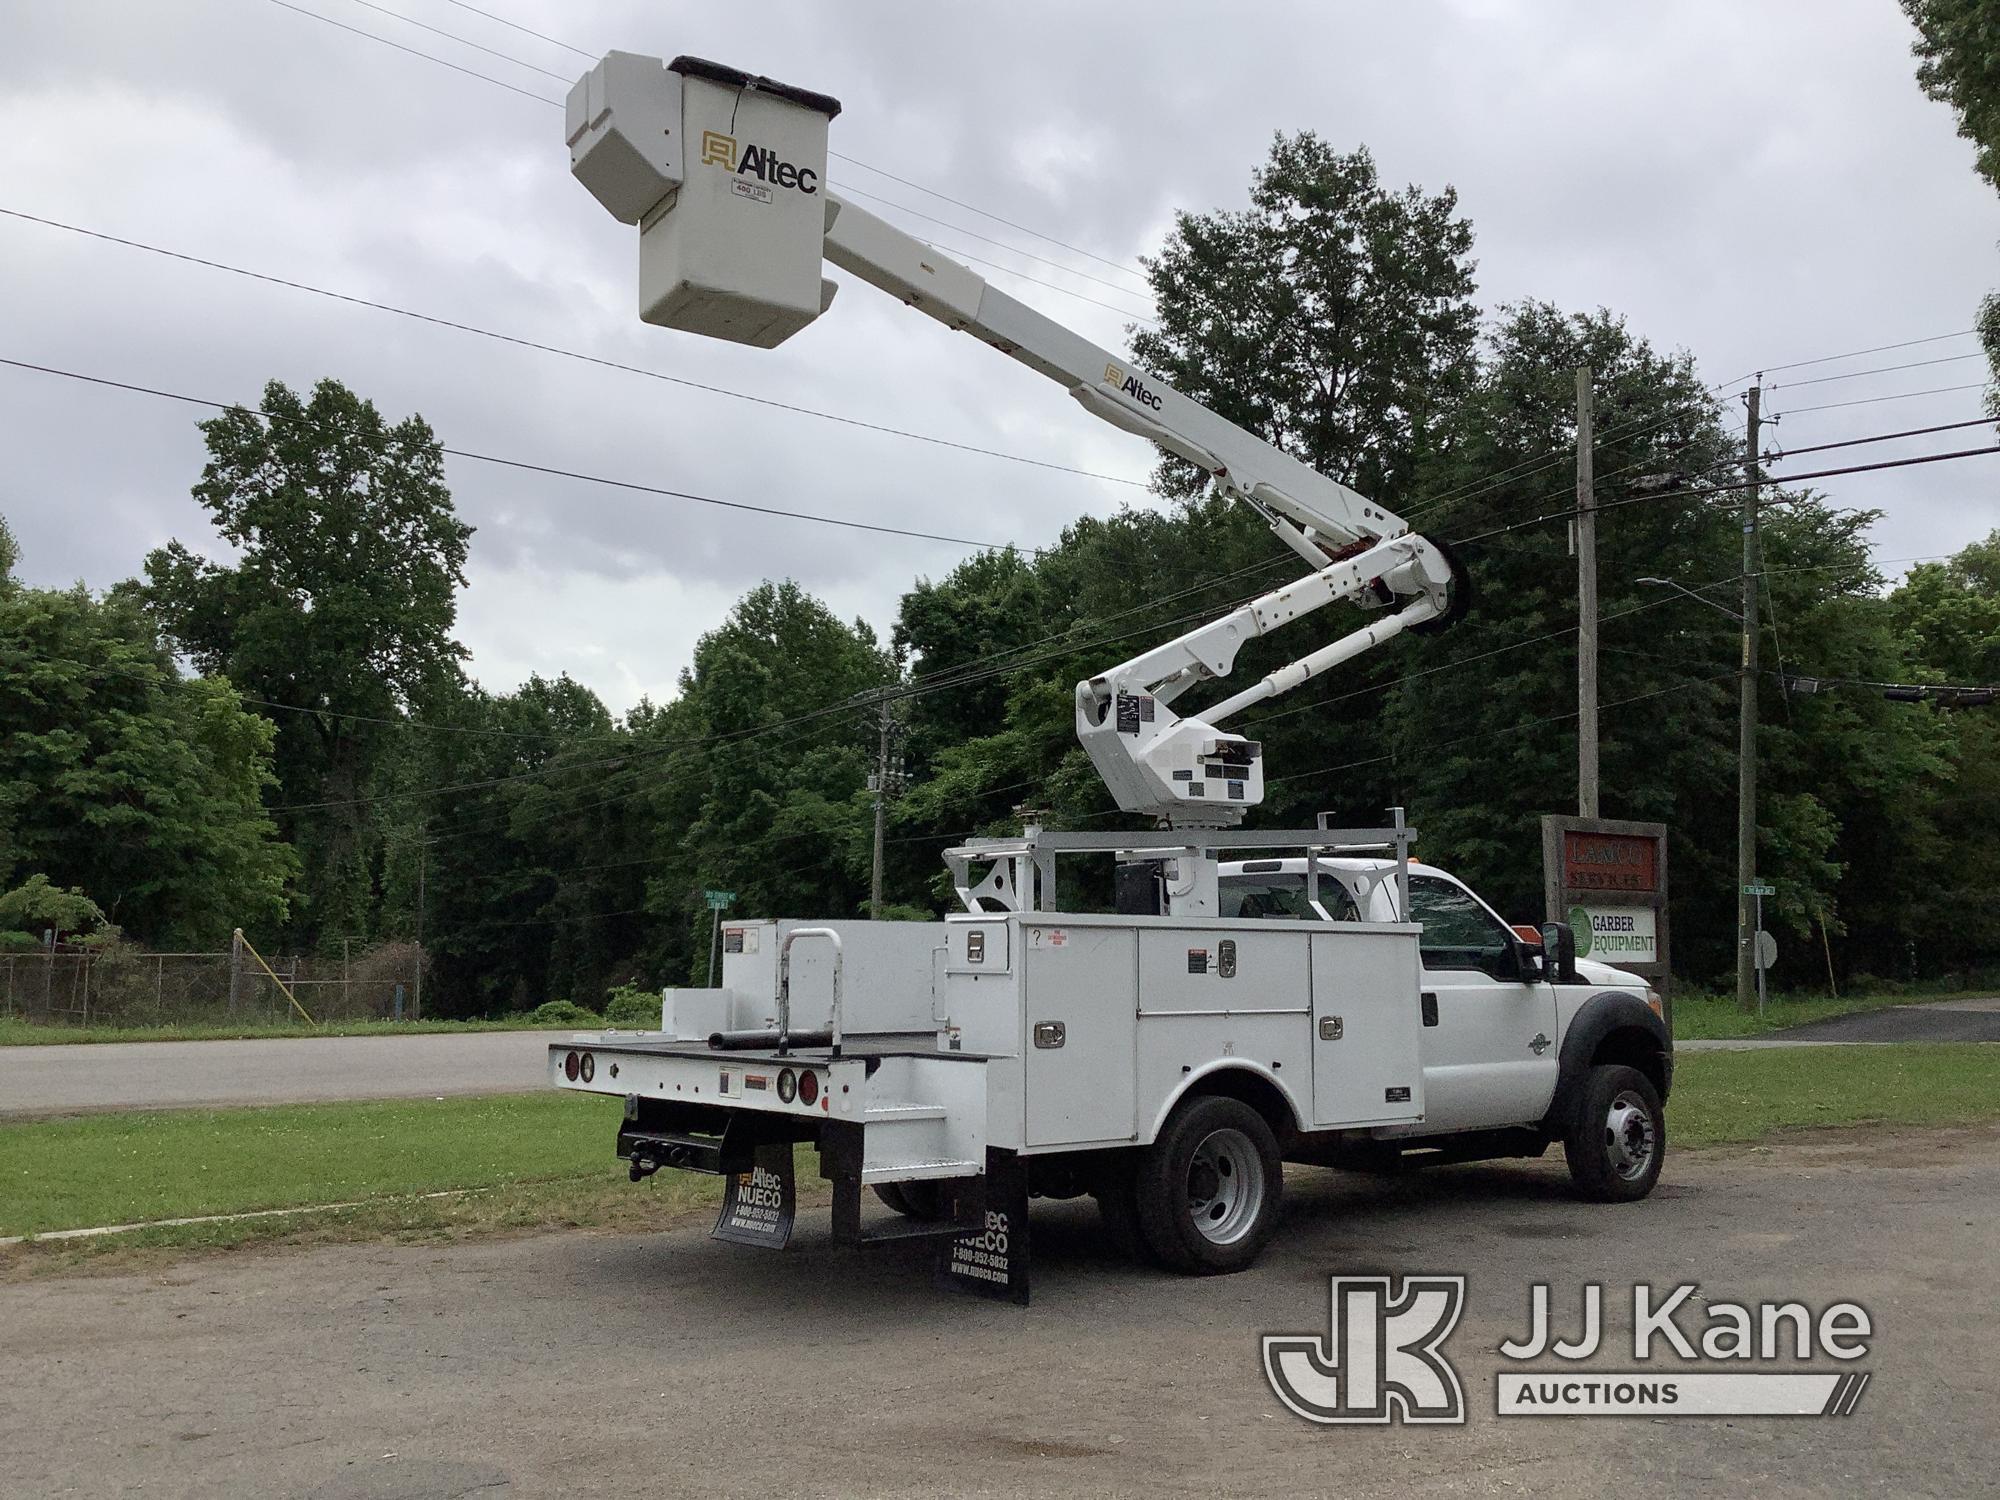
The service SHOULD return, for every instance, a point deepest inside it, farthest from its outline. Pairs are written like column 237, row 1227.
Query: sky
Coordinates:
column 1758, row 185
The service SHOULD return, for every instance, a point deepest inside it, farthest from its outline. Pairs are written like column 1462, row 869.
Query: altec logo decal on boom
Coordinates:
column 718, row 150
column 1132, row 386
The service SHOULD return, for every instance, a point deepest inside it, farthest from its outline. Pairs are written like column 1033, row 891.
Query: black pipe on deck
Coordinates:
column 750, row 1041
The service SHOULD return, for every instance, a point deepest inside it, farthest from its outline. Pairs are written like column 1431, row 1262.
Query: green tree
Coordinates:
column 760, row 768
column 340, row 603
column 1947, row 616
column 1958, row 63
column 1333, row 317
column 122, row 778
column 37, row 906
column 1480, row 732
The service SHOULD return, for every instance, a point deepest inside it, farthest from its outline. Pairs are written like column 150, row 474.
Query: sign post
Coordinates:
column 1608, row 879
column 716, row 900
column 1763, row 947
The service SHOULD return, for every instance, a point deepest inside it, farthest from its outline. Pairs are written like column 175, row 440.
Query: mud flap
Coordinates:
column 758, row 1205
column 991, row 1257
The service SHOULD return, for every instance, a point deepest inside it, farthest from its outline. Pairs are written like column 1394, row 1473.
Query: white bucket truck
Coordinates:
column 1319, row 999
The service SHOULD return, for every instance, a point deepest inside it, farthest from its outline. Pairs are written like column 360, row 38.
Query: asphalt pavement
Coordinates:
column 168, row 1075
column 619, row 1364
column 1975, row 1019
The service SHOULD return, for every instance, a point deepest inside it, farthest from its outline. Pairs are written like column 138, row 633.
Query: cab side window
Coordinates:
column 1459, row 933
column 1281, row 897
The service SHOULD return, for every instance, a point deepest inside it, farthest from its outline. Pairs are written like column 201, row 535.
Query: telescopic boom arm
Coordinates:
column 732, row 233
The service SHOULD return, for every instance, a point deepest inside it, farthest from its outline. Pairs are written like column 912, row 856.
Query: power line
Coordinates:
column 515, row 463
column 1717, row 489
column 1942, row 390
column 1466, row 739
column 580, row 52
column 499, row 83
column 524, row 30
column 1880, row 437
column 576, row 354
column 1038, row 281
column 989, row 240
column 984, row 214
column 1915, row 364
column 454, row 37
column 1827, row 359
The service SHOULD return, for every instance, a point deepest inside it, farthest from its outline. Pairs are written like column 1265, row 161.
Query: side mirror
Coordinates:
column 1559, row 953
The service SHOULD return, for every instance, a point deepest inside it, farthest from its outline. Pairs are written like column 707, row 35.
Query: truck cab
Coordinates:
column 1492, row 1014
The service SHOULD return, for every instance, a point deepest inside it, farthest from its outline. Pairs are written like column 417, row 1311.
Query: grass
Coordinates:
column 18, row 1033
column 1723, row 1098
column 1702, row 1016
column 544, row 1160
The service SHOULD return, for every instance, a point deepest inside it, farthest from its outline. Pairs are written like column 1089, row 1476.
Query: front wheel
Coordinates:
column 1617, row 1139
column 1208, row 1188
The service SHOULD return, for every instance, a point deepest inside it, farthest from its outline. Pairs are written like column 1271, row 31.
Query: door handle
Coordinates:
column 1429, row 1004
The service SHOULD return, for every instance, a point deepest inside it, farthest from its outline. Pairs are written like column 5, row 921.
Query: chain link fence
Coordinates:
column 120, row 986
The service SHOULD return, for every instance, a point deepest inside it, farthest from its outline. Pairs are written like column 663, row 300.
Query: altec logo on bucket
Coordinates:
column 718, row 150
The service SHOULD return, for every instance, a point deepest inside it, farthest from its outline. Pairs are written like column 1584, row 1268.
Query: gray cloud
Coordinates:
column 1758, row 185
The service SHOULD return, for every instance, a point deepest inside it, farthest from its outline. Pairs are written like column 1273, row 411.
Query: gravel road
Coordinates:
column 600, row 1364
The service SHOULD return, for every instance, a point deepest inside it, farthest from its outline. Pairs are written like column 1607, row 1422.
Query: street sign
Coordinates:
column 1766, row 952
column 1760, row 890
column 718, row 899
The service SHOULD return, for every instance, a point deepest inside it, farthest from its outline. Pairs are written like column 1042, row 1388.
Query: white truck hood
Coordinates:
column 1592, row 972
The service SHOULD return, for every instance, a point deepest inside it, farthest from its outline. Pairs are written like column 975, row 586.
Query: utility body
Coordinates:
column 1249, row 997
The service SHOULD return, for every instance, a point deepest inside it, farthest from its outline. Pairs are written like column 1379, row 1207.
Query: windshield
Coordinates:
column 1280, row 897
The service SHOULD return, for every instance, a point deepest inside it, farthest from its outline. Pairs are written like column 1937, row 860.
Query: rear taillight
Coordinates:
column 808, row 1087
column 570, row 1066
column 589, row 1066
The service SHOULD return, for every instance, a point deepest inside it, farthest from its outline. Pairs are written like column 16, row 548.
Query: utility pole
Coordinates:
column 1586, row 604
column 417, row 988
column 884, row 781
column 1746, row 729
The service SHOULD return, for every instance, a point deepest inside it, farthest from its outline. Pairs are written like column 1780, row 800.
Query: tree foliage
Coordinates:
column 340, row 602
column 1958, row 63
column 124, row 779
column 1333, row 317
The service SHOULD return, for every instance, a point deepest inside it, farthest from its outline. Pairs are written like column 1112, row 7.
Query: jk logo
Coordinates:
column 1380, row 1361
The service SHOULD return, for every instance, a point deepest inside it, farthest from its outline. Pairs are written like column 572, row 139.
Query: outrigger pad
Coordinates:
column 992, row 1258
column 758, row 1205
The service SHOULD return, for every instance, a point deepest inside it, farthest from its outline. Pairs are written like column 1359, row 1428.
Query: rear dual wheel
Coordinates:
column 1206, row 1193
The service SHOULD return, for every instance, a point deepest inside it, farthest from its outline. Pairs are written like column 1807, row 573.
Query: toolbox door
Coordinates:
column 1367, row 1066
column 1079, row 1023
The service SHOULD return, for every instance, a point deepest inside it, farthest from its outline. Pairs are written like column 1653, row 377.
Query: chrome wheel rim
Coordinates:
column 1225, row 1186
column 1629, row 1142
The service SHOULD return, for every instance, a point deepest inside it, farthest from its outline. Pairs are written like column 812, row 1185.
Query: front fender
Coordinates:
column 1622, row 1024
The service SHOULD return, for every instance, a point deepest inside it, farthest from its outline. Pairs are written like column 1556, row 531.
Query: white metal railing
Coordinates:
column 785, row 983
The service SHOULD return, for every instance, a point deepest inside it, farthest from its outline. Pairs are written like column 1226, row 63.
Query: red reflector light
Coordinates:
column 570, row 1066
column 589, row 1067
column 808, row 1087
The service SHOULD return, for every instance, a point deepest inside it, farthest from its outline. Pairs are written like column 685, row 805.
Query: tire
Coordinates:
column 1616, row 1141
column 922, row 1201
column 1208, row 1189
